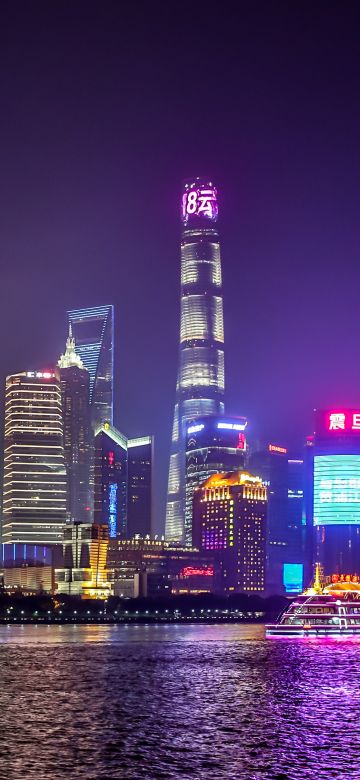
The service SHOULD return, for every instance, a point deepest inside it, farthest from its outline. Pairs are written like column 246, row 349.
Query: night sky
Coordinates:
column 105, row 108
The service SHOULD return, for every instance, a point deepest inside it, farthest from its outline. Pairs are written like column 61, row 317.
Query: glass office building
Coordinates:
column 123, row 482
column 140, row 470
column 200, row 382
column 34, row 493
column 110, row 492
column 213, row 445
column 74, row 381
column 333, row 491
column 93, row 330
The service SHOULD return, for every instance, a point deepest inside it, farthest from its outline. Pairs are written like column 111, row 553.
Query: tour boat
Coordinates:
column 332, row 610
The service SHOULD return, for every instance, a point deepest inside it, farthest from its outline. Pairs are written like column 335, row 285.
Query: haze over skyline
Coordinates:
column 102, row 119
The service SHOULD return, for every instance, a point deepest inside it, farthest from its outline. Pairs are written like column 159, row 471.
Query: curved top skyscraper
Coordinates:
column 200, row 382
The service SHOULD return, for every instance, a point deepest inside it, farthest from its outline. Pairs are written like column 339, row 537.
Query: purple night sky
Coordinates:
column 105, row 108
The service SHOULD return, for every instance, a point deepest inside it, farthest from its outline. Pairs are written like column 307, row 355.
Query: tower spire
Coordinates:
column 70, row 358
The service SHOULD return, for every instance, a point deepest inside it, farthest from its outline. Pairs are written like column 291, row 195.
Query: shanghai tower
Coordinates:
column 200, row 381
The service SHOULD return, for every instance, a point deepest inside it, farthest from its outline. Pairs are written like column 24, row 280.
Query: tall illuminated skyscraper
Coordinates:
column 74, row 381
column 93, row 330
column 34, row 496
column 200, row 382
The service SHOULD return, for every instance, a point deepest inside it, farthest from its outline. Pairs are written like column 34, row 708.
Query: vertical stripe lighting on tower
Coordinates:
column 200, row 381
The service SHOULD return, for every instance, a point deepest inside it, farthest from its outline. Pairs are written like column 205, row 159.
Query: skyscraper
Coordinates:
column 140, row 470
column 34, row 496
column 200, row 381
column 213, row 445
column 333, row 491
column 110, row 494
column 123, row 482
column 93, row 330
column 271, row 464
column 74, row 380
column 230, row 521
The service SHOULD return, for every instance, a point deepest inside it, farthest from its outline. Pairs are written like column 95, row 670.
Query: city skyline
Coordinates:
column 100, row 209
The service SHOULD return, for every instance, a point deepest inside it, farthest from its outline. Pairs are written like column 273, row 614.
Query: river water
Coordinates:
column 174, row 701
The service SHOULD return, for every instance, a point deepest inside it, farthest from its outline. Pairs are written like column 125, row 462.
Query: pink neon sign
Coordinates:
column 338, row 421
column 200, row 202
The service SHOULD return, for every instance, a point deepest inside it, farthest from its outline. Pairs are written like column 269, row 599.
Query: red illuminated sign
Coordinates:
column 344, row 578
column 191, row 571
column 275, row 448
column 338, row 422
column 111, row 457
column 241, row 445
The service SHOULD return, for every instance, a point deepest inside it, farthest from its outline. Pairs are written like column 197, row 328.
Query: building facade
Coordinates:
column 111, row 479
column 213, row 445
column 333, row 491
column 151, row 567
column 74, row 380
column 123, row 482
column 84, row 570
column 93, row 330
column 271, row 464
column 140, row 494
column 34, row 492
column 200, row 381
column 230, row 521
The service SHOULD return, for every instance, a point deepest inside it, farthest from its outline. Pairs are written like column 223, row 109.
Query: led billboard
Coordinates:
column 336, row 489
column 293, row 575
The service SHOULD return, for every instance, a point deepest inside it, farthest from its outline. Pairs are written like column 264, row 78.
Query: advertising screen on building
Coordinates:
column 293, row 575
column 336, row 489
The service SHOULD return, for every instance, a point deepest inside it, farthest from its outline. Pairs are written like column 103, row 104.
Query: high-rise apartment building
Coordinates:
column 34, row 493
column 74, row 380
column 213, row 445
column 140, row 472
column 93, row 330
column 230, row 521
column 200, row 381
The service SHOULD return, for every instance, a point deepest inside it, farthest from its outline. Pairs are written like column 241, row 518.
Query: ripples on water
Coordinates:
column 199, row 702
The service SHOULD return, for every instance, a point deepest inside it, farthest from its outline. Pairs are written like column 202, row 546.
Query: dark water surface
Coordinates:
column 200, row 702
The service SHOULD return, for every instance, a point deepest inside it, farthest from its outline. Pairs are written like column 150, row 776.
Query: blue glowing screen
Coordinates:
column 336, row 489
column 112, row 510
column 293, row 576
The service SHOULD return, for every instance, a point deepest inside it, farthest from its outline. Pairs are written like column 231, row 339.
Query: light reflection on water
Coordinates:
column 164, row 632
column 176, row 701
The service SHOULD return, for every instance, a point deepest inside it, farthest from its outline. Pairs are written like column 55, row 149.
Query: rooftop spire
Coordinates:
column 70, row 358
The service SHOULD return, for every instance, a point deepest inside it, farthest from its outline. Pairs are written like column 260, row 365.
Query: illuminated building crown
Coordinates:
column 70, row 358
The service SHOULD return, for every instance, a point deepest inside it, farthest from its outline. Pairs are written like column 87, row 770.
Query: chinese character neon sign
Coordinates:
column 200, row 202
column 345, row 421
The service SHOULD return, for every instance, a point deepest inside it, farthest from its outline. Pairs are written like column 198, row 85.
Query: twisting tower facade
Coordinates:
column 200, row 382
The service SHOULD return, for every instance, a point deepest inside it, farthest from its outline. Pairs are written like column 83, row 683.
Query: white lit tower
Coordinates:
column 200, row 382
column 34, row 495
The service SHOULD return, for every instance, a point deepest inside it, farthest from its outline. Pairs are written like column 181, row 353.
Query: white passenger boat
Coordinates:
column 332, row 610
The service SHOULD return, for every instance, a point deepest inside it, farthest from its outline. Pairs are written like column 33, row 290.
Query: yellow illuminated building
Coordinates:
column 84, row 572
column 229, row 519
